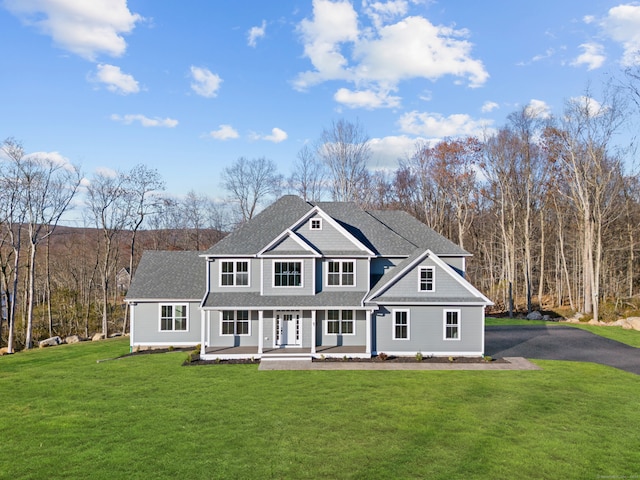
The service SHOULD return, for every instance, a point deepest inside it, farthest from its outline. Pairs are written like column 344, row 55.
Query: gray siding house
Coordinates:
column 306, row 279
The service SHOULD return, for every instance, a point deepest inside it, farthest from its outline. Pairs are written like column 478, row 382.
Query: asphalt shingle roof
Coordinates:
column 220, row 300
column 169, row 275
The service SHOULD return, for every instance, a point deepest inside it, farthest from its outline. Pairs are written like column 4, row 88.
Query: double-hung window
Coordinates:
column 235, row 322
column 287, row 274
column 340, row 322
column 340, row 273
column 401, row 324
column 173, row 318
column 452, row 324
column 426, row 281
column 234, row 273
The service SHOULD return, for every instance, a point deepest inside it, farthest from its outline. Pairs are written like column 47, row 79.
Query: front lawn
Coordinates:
column 66, row 416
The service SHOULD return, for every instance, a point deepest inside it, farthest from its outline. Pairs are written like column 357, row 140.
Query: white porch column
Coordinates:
column 203, row 326
column 313, row 332
column 368, row 324
column 260, row 331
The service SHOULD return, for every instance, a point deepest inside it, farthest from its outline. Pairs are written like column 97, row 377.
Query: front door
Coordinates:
column 288, row 329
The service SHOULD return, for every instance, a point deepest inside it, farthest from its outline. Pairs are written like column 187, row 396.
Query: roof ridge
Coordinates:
column 369, row 212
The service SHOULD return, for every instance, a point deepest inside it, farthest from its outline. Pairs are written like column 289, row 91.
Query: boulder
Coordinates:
column 72, row 339
column 4, row 351
column 634, row 322
column 50, row 342
column 97, row 336
column 534, row 316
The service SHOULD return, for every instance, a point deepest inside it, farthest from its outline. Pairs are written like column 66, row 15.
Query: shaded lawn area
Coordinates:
column 66, row 416
column 619, row 334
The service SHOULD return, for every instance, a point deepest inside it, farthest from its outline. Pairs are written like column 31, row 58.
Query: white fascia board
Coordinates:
column 458, row 278
column 294, row 236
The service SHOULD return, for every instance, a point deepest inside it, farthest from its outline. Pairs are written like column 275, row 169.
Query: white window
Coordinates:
column 340, row 322
column 341, row 273
column 287, row 274
column 452, row 324
column 426, row 280
column 234, row 273
column 173, row 318
column 401, row 325
column 235, row 322
column 316, row 224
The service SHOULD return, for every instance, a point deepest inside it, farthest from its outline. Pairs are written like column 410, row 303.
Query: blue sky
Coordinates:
column 188, row 87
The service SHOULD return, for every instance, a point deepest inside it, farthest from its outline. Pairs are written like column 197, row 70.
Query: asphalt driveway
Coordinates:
column 560, row 343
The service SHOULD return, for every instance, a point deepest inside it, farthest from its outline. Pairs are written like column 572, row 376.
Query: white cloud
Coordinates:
column 538, row 109
column 145, row 121
column 588, row 19
column 592, row 56
column 224, row 132
column 56, row 158
column 386, row 151
column 205, row 83
column 115, row 80
column 255, row 33
column 105, row 172
column 365, row 99
column 622, row 24
column 489, row 106
column 277, row 135
column 86, row 28
column 376, row 59
column 432, row 125
column 593, row 107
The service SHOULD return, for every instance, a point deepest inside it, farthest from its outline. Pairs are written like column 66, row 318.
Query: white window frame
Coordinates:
column 458, row 324
column 315, row 221
column 394, row 324
column 173, row 317
column 433, row 279
column 234, row 273
column 340, row 273
column 235, row 323
column 273, row 274
column 340, row 320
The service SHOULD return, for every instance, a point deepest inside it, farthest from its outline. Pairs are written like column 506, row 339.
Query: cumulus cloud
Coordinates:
column 622, row 24
column 115, row 80
column 255, row 33
column 387, row 151
column 432, row 125
column 145, row 121
column 489, row 106
column 86, row 28
column 368, row 99
column 205, row 83
column 224, row 132
column 277, row 135
column 592, row 107
column 592, row 56
column 54, row 158
column 377, row 58
column 538, row 109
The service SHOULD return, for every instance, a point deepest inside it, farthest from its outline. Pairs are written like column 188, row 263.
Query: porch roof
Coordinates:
column 231, row 300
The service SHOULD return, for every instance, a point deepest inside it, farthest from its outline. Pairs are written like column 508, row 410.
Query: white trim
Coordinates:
column 340, row 320
column 173, row 317
column 234, row 273
column 132, row 317
column 295, row 237
column 166, row 344
column 393, row 323
column 299, row 325
column 450, row 353
column 427, row 268
column 260, row 331
column 203, row 327
column 326, row 263
column 314, row 334
column 235, row 323
column 459, row 325
column 368, row 331
column 273, row 274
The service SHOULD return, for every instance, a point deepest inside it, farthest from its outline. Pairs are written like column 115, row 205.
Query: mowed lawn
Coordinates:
column 66, row 416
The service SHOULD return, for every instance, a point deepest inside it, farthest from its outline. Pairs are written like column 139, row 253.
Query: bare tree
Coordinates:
column 308, row 176
column 344, row 148
column 251, row 183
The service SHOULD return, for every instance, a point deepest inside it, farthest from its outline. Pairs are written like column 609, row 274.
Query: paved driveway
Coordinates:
column 560, row 343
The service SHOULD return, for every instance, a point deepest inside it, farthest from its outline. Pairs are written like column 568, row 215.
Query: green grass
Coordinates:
column 619, row 334
column 66, row 416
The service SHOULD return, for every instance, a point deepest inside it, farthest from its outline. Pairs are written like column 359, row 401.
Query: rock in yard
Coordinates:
column 534, row 316
column 50, row 342
column 97, row 336
column 4, row 351
column 72, row 339
column 634, row 322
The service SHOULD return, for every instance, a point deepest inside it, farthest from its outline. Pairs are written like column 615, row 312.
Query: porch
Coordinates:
column 227, row 353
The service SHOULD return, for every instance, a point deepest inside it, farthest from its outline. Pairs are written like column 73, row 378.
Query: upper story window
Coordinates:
column 287, row 274
column 234, row 273
column 173, row 318
column 341, row 273
column 427, row 280
column 316, row 224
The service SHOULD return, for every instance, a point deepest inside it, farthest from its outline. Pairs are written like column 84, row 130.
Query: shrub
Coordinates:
column 418, row 357
column 383, row 356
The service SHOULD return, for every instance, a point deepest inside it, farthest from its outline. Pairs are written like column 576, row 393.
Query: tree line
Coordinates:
column 548, row 206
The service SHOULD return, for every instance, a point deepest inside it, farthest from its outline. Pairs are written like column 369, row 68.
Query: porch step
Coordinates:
column 286, row 357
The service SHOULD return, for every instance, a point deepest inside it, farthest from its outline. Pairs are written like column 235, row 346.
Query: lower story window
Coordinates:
column 452, row 325
column 173, row 318
column 340, row 322
column 401, row 325
column 235, row 322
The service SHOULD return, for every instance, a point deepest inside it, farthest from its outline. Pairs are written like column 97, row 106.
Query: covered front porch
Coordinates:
column 228, row 353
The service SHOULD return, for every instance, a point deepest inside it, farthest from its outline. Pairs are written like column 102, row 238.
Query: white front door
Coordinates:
column 288, row 329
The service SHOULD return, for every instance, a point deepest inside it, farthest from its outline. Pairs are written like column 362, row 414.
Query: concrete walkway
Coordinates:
column 511, row 363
